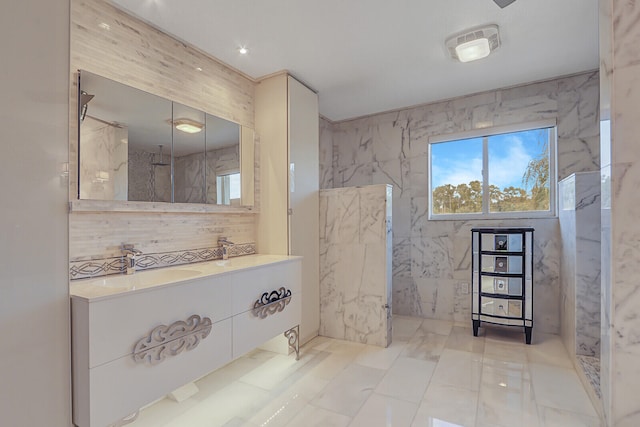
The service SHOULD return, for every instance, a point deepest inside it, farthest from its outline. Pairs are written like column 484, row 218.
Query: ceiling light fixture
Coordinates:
column 243, row 50
column 474, row 44
column 188, row 125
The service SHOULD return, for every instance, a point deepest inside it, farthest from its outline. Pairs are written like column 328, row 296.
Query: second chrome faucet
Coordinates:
column 225, row 243
column 130, row 254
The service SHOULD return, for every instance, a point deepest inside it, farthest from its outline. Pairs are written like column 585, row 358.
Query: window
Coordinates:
column 499, row 172
column 228, row 188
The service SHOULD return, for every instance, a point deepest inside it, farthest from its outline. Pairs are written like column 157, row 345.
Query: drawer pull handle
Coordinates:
column 164, row 341
column 271, row 303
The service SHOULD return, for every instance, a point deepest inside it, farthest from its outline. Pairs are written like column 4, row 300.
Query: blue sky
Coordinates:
column 509, row 154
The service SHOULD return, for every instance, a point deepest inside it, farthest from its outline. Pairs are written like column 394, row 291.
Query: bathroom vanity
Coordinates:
column 502, row 278
column 138, row 337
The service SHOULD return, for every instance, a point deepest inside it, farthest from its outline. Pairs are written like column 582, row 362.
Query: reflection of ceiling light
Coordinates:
column 198, row 69
column 104, row 26
column 474, row 44
column 188, row 125
column 243, row 50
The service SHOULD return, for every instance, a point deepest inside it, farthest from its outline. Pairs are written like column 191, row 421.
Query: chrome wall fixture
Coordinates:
column 164, row 341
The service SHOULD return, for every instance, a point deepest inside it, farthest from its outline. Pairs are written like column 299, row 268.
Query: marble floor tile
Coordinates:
column 425, row 346
column 548, row 349
column 560, row 388
column 552, row 417
column 346, row 393
column 312, row 416
column 458, row 368
column 448, row 406
column 385, row 411
column 494, row 380
column 434, row 326
column 407, row 379
column 461, row 338
column 380, row 358
column 404, row 327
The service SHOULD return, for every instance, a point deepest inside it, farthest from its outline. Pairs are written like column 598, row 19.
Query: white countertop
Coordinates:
column 120, row 284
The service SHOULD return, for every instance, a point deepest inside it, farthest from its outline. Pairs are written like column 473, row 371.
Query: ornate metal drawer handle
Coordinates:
column 271, row 302
column 164, row 341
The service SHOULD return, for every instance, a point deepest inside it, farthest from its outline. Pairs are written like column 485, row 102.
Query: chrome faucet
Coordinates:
column 130, row 253
column 222, row 241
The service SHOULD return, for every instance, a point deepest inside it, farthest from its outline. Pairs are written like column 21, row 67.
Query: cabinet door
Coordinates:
column 304, row 187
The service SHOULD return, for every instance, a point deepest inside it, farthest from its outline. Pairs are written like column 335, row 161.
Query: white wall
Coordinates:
column 34, row 302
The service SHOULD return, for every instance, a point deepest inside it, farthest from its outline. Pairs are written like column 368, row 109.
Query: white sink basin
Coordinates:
column 143, row 279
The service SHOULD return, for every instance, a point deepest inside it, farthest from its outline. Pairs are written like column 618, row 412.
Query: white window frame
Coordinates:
column 485, row 133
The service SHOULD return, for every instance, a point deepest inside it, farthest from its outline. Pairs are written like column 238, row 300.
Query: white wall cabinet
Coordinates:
column 110, row 382
column 287, row 125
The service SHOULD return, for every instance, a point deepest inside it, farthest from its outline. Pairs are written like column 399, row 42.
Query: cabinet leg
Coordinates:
column 476, row 325
column 294, row 341
column 527, row 334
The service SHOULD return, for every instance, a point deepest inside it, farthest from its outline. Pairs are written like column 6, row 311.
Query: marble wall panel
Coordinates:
column 355, row 263
column 431, row 258
column 620, row 32
column 326, row 154
column 580, row 267
column 103, row 167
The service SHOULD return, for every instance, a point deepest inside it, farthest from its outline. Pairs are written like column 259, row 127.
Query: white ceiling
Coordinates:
column 368, row 56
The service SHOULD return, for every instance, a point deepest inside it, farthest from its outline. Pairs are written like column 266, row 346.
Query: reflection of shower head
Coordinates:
column 161, row 162
column 84, row 101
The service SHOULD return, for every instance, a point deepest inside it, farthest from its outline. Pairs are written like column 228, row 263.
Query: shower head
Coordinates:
column 161, row 162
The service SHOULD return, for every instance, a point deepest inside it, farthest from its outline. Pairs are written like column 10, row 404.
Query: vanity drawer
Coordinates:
column 502, row 285
column 502, row 242
column 249, row 286
column 117, row 324
column 502, row 264
column 116, row 389
column 254, row 327
column 501, row 307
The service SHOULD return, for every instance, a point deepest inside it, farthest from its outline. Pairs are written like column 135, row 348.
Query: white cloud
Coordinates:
column 505, row 169
column 508, row 169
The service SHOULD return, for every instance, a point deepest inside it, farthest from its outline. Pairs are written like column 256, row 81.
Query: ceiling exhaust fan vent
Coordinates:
column 489, row 32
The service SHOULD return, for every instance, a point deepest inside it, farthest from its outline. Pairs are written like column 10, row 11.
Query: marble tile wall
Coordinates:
column 355, row 264
column 148, row 183
column 326, row 154
column 620, row 178
column 580, row 267
column 431, row 260
column 103, row 172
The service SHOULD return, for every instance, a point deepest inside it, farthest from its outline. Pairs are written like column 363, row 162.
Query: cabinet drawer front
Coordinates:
column 117, row 324
column 251, row 330
column 502, row 285
column 502, row 242
column 501, row 307
column 122, row 386
column 249, row 286
column 501, row 264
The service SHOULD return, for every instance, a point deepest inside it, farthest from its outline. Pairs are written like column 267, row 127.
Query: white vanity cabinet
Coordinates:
column 123, row 357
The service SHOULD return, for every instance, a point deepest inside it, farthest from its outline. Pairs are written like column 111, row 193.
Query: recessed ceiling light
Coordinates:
column 243, row 50
column 198, row 69
column 188, row 125
column 474, row 44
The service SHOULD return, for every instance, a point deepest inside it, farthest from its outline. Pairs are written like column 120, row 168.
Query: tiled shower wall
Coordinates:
column 431, row 260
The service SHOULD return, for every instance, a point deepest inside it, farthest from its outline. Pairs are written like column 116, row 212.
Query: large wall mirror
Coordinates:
column 135, row 146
